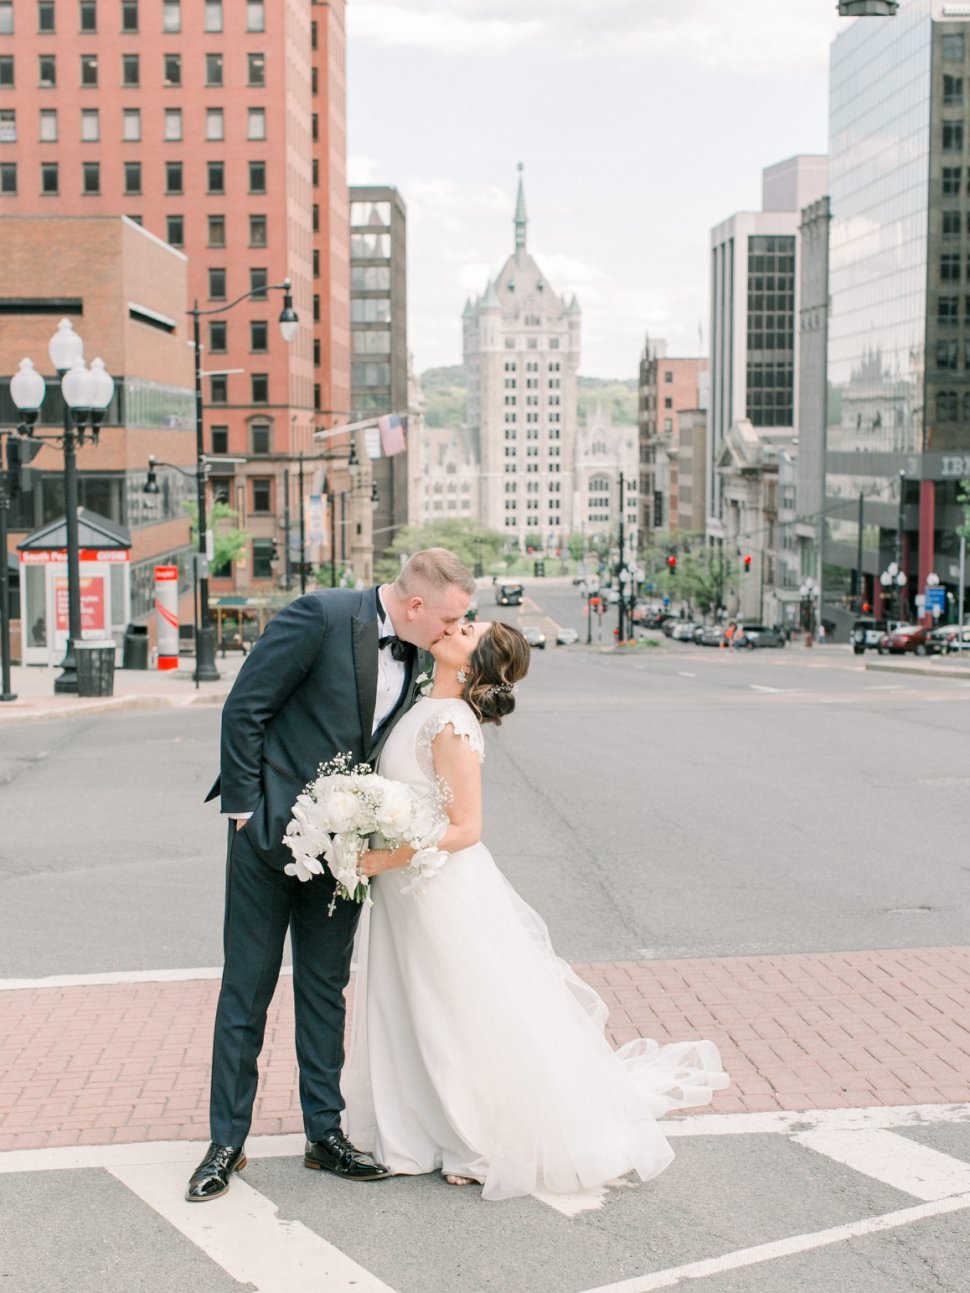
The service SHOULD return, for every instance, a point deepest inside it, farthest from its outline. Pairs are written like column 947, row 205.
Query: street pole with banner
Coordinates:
column 167, row 611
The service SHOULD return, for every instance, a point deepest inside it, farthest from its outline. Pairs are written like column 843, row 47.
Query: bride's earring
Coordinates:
column 462, row 676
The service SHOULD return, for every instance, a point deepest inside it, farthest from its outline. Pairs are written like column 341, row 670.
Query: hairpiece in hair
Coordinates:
column 499, row 687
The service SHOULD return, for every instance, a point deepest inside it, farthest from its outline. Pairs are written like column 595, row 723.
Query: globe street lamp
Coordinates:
column 87, row 394
column 205, row 657
column 808, row 592
column 892, row 577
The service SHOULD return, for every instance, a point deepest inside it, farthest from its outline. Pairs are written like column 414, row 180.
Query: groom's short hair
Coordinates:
column 435, row 569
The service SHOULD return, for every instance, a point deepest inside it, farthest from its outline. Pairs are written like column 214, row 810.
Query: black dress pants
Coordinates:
column 261, row 904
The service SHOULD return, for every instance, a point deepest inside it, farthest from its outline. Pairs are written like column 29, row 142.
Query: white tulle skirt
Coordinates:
column 475, row 1050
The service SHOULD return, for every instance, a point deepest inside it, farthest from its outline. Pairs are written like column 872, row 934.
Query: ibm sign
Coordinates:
column 954, row 466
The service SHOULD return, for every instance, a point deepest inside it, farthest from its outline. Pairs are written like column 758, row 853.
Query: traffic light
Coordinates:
column 21, row 450
column 275, row 554
column 672, row 565
column 747, row 564
column 538, row 568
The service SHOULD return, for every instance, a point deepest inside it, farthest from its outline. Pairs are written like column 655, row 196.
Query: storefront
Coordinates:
column 104, row 551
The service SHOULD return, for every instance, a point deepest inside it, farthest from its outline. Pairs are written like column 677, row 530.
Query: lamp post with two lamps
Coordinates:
column 894, row 578
column 87, row 392
column 205, row 655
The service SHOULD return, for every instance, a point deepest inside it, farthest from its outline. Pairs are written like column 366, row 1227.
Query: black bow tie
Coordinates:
column 399, row 649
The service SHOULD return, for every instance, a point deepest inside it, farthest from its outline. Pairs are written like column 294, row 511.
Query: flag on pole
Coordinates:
column 392, row 435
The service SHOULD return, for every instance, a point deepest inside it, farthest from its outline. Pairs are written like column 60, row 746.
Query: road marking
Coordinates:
column 784, row 1247
column 774, row 691
column 682, row 673
column 244, row 1234
column 904, row 1164
column 115, row 977
column 792, row 1122
column 571, row 1205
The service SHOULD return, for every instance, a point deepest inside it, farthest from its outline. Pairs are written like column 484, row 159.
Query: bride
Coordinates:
column 474, row 1049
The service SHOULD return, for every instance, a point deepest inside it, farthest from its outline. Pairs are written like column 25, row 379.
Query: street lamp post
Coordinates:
column 205, row 655
column 894, row 578
column 87, row 392
column 808, row 593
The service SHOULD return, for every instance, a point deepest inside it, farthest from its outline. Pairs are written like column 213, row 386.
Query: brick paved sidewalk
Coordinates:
column 129, row 1062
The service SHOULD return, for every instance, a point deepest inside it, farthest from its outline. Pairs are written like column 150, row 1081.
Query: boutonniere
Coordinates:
column 422, row 682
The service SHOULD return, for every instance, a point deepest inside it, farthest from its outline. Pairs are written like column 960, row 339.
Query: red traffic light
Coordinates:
column 747, row 564
column 866, row 608
column 672, row 565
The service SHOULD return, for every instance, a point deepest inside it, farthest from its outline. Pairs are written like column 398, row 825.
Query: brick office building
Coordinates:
column 219, row 127
column 667, row 386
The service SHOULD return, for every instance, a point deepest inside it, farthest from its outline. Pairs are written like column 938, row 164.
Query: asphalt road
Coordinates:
column 674, row 801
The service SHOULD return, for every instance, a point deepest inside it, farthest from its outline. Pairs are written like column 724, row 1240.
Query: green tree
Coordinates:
column 228, row 540
column 471, row 544
column 702, row 571
column 535, row 541
column 577, row 546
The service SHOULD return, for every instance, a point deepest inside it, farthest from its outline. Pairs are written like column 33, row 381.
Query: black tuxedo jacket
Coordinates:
column 305, row 693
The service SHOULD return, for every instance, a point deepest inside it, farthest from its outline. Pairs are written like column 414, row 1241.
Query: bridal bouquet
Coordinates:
column 338, row 813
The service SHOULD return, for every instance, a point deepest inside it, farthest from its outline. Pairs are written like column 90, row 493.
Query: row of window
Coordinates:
column 948, row 310
column 951, row 267
column 511, row 366
column 128, row 12
column 532, row 383
column 531, row 343
column 259, row 389
column 260, row 440
column 132, row 178
column 952, row 181
column 948, row 406
column 948, row 355
column 90, row 125
column 131, row 70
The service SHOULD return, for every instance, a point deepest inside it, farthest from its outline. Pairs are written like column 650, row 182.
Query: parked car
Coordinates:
column 566, row 637
column 535, row 637
column 669, row 624
column 509, row 595
column 947, row 638
column 655, row 619
column 712, row 635
column 904, row 637
column 761, row 635
column 683, row 631
column 866, row 634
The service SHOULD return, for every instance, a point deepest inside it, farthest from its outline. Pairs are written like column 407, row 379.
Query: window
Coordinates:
column 951, row 181
column 668, row 402
column 48, row 177
column 91, row 177
column 259, row 336
column 215, row 126
column 952, row 91
column 8, row 177
column 171, row 16
column 258, row 279
column 132, row 177
column 89, row 69
column 220, row 439
column 217, row 284
column 257, row 231
column 257, row 177
column 90, row 125
column 173, row 177
column 950, row 267
column 129, row 15
column 951, row 224
column 6, row 17
column 260, row 437
column 131, row 125
column 218, row 389
column 173, row 123
column 216, row 175
column 216, row 231
column 946, row 355
column 947, row 407
column 175, row 230
column 6, row 69
column 953, row 48
column 130, row 73
column 953, row 136
column 89, row 15
column 668, row 425
column 213, row 15
column 262, row 493
column 256, row 16
column 256, row 69
column 8, row 125
column 48, row 126
column 316, row 354
column 172, row 69
column 213, row 69
column 257, row 123
column 218, row 334
column 948, row 310
column 47, row 71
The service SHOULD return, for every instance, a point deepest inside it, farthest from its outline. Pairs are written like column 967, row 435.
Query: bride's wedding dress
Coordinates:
column 476, row 1050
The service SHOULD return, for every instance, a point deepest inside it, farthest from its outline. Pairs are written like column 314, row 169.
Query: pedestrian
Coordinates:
column 728, row 639
column 331, row 674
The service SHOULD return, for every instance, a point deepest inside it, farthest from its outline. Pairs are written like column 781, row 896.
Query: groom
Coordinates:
column 330, row 675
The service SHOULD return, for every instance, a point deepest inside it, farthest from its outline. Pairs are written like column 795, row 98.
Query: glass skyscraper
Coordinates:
column 898, row 418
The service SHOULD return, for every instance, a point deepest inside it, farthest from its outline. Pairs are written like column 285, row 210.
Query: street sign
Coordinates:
column 935, row 600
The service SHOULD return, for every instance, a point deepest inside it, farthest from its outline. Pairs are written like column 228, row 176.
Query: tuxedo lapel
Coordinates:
column 365, row 637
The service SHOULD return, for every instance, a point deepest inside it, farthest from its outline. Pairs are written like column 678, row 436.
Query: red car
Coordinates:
column 905, row 637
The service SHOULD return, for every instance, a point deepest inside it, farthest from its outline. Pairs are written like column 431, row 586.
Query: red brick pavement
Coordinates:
column 109, row 1063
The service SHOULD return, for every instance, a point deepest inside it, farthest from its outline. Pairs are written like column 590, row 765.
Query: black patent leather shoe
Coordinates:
column 211, row 1177
column 334, row 1153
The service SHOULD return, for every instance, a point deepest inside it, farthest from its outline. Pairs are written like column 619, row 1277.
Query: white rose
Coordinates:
column 394, row 812
column 339, row 810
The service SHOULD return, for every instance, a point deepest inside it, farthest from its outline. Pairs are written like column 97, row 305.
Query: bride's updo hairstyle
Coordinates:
column 499, row 661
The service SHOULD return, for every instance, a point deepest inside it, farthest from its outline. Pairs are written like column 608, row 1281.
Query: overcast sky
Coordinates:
column 641, row 123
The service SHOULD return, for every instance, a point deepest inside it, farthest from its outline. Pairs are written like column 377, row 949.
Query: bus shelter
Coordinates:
column 105, row 569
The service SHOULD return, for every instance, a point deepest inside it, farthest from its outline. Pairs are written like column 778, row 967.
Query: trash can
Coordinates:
column 95, row 666
column 135, row 649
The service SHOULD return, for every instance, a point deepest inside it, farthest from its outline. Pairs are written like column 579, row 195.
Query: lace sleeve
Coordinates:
column 456, row 715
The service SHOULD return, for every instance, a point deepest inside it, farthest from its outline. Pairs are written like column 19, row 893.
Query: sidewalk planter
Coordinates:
column 95, row 667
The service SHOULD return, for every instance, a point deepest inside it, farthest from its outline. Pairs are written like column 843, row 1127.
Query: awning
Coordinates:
column 95, row 532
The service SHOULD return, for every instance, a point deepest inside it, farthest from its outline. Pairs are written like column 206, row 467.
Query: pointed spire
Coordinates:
column 573, row 307
column 468, row 311
column 520, row 216
column 490, row 300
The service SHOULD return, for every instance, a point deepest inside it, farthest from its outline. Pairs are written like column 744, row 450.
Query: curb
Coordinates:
column 927, row 671
column 116, row 704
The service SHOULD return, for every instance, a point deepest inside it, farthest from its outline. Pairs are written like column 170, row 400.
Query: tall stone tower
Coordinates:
column 521, row 351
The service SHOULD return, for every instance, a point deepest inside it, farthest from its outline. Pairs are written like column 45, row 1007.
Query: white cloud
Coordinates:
column 744, row 35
